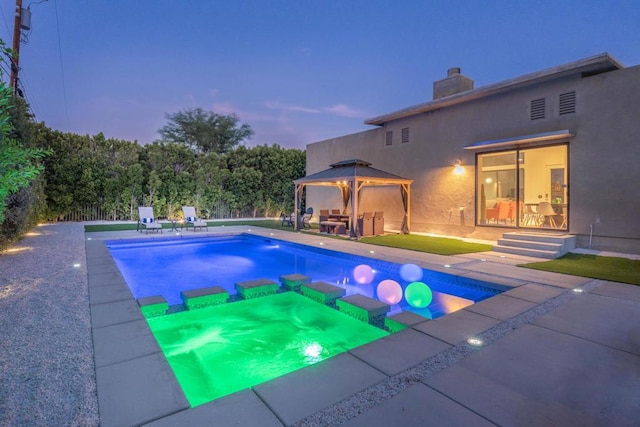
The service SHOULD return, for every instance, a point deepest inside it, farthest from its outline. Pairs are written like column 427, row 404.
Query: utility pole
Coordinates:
column 17, row 23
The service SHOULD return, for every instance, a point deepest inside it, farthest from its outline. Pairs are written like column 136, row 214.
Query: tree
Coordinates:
column 18, row 164
column 205, row 131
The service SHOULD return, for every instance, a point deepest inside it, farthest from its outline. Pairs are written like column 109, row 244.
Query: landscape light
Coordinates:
column 476, row 342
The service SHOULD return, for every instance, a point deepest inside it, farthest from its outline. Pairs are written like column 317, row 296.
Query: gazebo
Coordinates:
column 349, row 176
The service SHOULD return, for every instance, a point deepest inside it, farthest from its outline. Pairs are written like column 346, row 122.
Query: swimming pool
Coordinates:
column 169, row 266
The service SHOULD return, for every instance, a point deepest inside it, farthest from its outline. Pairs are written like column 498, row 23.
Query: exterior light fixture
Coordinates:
column 76, row 265
column 447, row 266
column 476, row 342
column 458, row 169
column 578, row 290
column 372, row 252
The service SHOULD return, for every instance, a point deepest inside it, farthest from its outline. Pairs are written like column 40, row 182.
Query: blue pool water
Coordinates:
column 168, row 266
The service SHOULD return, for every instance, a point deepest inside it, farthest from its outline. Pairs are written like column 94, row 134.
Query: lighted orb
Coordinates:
column 389, row 291
column 418, row 295
column 410, row 272
column 363, row 274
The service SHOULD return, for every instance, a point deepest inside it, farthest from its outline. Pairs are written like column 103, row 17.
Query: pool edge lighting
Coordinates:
column 476, row 342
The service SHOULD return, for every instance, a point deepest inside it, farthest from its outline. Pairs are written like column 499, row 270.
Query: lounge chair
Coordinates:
column 147, row 220
column 190, row 218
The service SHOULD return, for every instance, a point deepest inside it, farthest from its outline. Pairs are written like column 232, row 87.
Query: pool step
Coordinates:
column 153, row 306
column 364, row 308
column 256, row 288
column 322, row 292
column 293, row 281
column 205, row 297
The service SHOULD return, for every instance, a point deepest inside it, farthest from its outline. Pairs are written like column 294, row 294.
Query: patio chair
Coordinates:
column 324, row 220
column 365, row 224
column 287, row 219
column 190, row 218
column 306, row 218
column 147, row 220
column 378, row 223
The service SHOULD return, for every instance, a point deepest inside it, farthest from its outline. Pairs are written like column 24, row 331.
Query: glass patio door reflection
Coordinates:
column 524, row 188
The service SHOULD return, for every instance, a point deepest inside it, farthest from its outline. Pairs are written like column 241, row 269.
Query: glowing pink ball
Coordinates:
column 389, row 291
column 410, row 272
column 363, row 274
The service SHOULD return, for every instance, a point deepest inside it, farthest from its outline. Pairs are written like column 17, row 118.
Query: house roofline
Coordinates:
column 594, row 64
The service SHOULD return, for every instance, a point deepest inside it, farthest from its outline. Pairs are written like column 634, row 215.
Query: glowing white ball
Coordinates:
column 389, row 291
column 411, row 272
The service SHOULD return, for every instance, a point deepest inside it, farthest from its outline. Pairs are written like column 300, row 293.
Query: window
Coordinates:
column 567, row 103
column 512, row 185
column 405, row 135
column 388, row 138
column 538, row 109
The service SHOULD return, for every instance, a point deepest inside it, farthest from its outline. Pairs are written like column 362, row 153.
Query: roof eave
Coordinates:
column 597, row 63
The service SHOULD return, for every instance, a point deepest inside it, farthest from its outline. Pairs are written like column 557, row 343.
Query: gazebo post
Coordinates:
column 353, row 229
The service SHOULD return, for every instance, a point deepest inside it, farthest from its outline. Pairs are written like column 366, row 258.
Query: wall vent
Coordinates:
column 538, row 109
column 388, row 137
column 405, row 135
column 568, row 103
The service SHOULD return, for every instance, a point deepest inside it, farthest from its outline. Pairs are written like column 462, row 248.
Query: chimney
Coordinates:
column 454, row 83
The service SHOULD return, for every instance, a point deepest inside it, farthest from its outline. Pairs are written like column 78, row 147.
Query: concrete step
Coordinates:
column 541, row 245
column 537, row 253
column 531, row 244
column 539, row 237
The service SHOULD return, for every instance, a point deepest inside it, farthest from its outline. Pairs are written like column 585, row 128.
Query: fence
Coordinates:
column 97, row 213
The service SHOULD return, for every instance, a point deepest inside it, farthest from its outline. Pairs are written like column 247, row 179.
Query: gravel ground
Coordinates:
column 47, row 375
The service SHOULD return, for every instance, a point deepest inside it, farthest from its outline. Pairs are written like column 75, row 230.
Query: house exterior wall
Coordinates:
column 603, row 157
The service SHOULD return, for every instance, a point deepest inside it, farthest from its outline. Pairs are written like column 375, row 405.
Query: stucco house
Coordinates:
column 554, row 152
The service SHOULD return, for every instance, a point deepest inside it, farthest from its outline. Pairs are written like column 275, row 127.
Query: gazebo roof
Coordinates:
column 352, row 170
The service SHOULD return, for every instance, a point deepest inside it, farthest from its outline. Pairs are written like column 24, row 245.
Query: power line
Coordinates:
column 64, row 89
column 4, row 18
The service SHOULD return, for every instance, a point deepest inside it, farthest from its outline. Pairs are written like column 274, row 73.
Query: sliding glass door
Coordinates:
column 523, row 188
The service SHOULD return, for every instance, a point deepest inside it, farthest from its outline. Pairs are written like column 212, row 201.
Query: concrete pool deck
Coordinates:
column 549, row 355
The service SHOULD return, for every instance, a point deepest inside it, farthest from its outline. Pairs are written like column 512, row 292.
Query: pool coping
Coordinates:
column 136, row 385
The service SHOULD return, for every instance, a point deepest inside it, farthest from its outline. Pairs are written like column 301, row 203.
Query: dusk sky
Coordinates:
column 296, row 71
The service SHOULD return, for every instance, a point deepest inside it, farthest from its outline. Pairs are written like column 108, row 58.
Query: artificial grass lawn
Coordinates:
column 432, row 245
column 597, row 267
